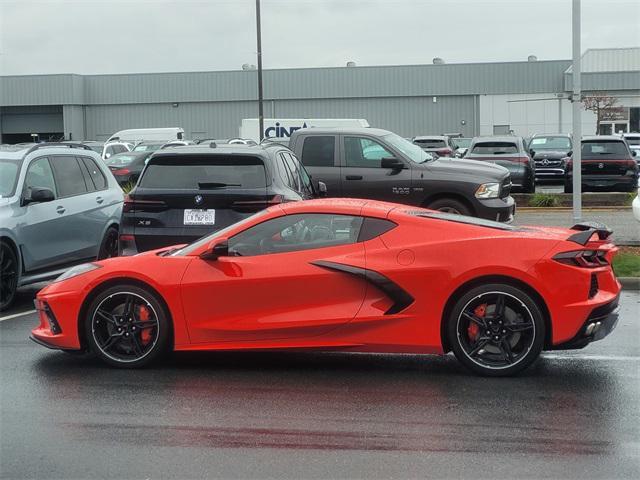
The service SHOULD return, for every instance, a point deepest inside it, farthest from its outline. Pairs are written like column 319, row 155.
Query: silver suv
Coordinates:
column 59, row 206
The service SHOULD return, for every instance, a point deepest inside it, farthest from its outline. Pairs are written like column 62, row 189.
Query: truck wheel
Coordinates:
column 449, row 205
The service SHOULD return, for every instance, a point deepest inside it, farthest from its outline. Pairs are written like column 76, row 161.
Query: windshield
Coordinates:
column 495, row 148
column 220, row 233
column 550, row 143
column 411, row 151
column 148, row 147
column 8, row 176
column 120, row 160
column 462, row 142
column 430, row 142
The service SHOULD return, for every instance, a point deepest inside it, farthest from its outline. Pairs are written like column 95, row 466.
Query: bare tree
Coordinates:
column 604, row 106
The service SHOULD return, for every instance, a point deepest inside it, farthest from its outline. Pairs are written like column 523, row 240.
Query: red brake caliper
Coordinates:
column 473, row 330
column 143, row 315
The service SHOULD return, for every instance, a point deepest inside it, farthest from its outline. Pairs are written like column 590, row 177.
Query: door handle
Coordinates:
column 61, row 210
column 354, row 177
column 99, row 199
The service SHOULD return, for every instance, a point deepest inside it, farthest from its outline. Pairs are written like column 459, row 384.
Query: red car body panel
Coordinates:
column 282, row 300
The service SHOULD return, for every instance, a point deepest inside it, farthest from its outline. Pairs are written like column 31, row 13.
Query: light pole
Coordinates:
column 577, row 121
column 259, row 40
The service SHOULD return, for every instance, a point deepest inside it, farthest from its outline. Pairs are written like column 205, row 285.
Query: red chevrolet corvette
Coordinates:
column 350, row 275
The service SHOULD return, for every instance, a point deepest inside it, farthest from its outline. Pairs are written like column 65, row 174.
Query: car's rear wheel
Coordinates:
column 127, row 326
column 496, row 330
column 8, row 275
column 109, row 245
column 450, row 205
column 568, row 186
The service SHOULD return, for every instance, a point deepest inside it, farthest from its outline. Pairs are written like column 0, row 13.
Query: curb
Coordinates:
column 630, row 283
column 570, row 209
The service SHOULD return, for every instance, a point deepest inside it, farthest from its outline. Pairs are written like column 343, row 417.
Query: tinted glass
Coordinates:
column 8, row 177
column 319, row 151
column 604, row 149
column 151, row 147
column 550, row 143
column 291, row 233
column 495, row 148
column 120, row 160
column 461, row 142
column 294, row 168
column 364, row 152
column 285, row 172
column 202, row 173
column 411, row 151
column 39, row 175
column 69, row 177
column 119, row 149
column 95, row 174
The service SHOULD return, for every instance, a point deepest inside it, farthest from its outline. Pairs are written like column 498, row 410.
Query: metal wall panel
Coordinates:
column 606, row 81
column 342, row 82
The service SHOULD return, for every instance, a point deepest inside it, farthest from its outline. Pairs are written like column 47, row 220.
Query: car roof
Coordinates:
column 430, row 137
column 498, row 138
column 564, row 135
column 21, row 150
column 219, row 149
column 608, row 138
column 347, row 206
column 376, row 132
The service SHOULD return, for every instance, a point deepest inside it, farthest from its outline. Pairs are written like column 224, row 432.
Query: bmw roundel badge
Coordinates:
column 198, row 199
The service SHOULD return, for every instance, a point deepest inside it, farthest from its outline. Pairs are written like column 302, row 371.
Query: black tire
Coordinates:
column 450, row 205
column 8, row 275
column 568, row 187
column 115, row 328
column 109, row 245
column 501, row 344
column 531, row 187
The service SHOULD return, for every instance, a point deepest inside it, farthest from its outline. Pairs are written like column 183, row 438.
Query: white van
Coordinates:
column 282, row 128
column 148, row 135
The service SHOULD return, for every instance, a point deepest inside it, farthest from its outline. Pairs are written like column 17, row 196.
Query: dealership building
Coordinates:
column 472, row 98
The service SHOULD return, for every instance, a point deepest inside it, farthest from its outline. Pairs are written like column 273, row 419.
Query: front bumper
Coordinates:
column 496, row 209
column 549, row 173
column 601, row 322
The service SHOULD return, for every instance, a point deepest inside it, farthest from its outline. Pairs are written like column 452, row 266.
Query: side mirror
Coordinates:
column 634, row 153
column 322, row 189
column 40, row 195
column 217, row 248
column 392, row 163
column 532, row 153
column 569, row 153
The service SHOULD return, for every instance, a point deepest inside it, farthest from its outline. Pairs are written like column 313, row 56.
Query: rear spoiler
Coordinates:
column 587, row 229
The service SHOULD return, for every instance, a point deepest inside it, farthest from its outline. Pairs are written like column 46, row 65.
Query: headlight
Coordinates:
column 78, row 270
column 488, row 190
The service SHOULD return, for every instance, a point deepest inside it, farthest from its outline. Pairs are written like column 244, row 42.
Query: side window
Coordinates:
column 95, row 176
column 291, row 233
column 108, row 151
column 294, row 168
column 119, row 148
column 285, row 172
column 364, row 152
column 39, row 175
column 69, row 176
column 305, row 180
column 319, row 151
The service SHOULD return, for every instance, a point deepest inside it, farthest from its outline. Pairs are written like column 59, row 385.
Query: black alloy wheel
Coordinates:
column 8, row 276
column 127, row 327
column 496, row 330
column 109, row 245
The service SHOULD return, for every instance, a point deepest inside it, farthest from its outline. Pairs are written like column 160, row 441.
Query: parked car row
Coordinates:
column 607, row 161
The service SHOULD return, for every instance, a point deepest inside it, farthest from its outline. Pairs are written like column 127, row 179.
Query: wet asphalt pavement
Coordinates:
column 309, row 415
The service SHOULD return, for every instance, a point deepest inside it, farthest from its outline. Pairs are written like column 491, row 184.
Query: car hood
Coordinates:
column 457, row 165
column 553, row 154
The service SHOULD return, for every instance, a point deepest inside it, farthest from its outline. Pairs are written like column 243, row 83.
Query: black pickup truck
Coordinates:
column 378, row 164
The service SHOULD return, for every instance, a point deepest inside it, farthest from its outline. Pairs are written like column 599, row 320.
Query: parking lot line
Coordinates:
column 16, row 315
column 565, row 356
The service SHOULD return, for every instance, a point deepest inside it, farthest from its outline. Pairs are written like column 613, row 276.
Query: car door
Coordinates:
column 79, row 204
column 44, row 236
column 319, row 157
column 362, row 173
column 269, row 287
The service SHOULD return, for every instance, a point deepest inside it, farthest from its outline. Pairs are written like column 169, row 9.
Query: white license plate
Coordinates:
column 199, row 217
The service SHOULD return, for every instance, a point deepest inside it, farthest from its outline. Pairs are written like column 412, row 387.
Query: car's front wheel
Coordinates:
column 496, row 330
column 127, row 326
column 450, row 205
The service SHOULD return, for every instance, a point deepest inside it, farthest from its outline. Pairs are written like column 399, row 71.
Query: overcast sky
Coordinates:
column 98, row 36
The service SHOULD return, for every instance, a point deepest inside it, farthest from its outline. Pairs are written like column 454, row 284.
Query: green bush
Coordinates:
column 627, row 264
column 127, row 187
column 544, row 200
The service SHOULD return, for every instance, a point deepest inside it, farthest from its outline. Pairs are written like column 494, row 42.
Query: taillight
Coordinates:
column 444, row 151
column 121, row 171
column 258, row 204
column 583, row 258
column 131, row 204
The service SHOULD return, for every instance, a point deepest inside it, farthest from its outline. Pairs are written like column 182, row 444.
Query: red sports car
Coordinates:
column 350, row 275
